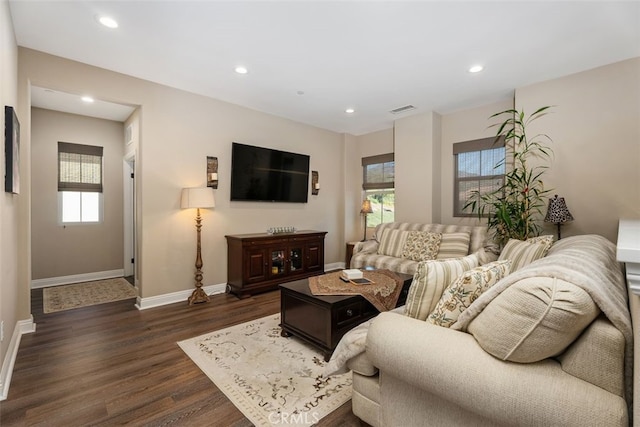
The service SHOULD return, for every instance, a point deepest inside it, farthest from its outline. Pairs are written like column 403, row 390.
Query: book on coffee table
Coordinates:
column 362, row 281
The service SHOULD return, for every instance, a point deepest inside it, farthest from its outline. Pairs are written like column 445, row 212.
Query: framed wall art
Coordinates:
column 11, row 151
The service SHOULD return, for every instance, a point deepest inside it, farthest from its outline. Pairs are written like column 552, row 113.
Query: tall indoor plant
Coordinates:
column 514, row 210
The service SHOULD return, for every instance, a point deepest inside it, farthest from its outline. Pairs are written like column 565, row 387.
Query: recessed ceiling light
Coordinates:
column 87, row 99
column 108, row 21
column 241, row 70
column 349, row 111
column 476, row 69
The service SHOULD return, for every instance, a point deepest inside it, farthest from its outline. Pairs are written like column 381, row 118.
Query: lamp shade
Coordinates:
column 366, row 207
column 197, row 198
column 557, row 212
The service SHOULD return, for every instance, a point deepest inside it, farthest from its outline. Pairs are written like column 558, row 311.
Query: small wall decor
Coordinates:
column 11, row 151
column 212, row 172
column 315, row 183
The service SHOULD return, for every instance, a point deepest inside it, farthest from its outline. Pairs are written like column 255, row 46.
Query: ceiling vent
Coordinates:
column 402, row 109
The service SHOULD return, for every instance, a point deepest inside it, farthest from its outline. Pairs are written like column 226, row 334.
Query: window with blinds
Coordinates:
column 479, row 166
column 79, row 167
column 378, row 183
column 80, row 176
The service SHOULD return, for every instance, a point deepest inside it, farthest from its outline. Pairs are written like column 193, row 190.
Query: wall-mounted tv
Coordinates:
column 266, row 175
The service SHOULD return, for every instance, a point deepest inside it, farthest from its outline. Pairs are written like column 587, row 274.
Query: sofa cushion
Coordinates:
column 533, row 319
column 521, row 253
column 421, row 245
column 465, row 290
column 392, row 242
column 454, row 245
column 430, row 281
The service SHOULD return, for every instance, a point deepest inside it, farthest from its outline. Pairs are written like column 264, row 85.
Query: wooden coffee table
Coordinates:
column 323, row 320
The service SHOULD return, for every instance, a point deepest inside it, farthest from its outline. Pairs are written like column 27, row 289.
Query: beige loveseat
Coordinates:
column 414, row 373
column 472, row 239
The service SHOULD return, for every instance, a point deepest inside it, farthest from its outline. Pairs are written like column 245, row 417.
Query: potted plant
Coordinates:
column 515, row 208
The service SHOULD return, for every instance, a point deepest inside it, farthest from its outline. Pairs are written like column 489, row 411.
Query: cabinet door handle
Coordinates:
column 349, row 312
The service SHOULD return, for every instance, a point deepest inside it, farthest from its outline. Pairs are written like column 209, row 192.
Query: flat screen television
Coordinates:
column 264, row 175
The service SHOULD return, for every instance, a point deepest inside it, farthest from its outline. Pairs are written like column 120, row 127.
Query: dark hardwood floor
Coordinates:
column 111, row 364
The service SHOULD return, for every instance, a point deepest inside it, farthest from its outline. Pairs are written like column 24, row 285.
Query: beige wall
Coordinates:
column 63, row 250
column 462, row 126
column 10, row 311
column 595, row 126
column 414, row 167
column 178, row 130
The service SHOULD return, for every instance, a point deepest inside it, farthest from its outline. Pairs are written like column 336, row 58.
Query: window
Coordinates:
column 79, row 182
column 378, row 185
column 479, row 166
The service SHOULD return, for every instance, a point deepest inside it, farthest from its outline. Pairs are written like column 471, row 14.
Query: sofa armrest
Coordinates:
column 368, row 246
column 452, row 365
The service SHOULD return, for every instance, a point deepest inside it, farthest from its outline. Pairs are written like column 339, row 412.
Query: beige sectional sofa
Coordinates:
column 458, row 240
column 512, row 357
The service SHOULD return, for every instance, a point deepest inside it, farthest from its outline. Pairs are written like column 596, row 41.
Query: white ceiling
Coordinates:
column 310, row 60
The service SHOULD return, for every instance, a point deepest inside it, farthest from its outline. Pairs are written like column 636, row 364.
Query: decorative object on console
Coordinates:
column 212, row 172
column 557, row 212
column 11, row 151
column 281, row 230
column 315, row 183
column 199, row 198
column 513, row 209
column 365, row 210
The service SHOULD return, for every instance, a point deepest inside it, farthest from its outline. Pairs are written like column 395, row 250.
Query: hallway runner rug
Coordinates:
column 66, row 297
column 272, row 380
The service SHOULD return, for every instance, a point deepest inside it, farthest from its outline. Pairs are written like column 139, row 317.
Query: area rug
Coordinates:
column 272, row 380
column 66, row 297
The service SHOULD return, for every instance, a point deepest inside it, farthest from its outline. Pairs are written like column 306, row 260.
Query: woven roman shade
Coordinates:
column 378, row 172
column 79, row 167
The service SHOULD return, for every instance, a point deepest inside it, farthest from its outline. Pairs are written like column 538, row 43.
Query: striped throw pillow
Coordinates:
column 454, row 245
column 430, row 280
column 522, row 253
column 392, row 242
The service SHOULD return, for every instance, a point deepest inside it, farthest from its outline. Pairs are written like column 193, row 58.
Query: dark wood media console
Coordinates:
column 260, row 262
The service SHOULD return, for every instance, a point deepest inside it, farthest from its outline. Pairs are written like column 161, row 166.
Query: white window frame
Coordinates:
column 385, row 186
column 100, row 211
column 83, row 186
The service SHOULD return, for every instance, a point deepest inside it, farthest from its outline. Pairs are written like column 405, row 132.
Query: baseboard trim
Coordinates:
column 174, row 297
column 182, row 296
column 22, row 327
column 334, row 266
column 76, row 278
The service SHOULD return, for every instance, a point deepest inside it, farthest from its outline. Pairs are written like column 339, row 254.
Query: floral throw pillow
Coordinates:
column 421, row 245
column 430, row 280
column 463, row 291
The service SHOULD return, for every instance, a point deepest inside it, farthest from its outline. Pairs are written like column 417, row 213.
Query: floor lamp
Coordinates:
column 365, row 210
column 198, row 198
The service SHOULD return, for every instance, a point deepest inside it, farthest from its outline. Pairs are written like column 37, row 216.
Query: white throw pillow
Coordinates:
column 533, row 319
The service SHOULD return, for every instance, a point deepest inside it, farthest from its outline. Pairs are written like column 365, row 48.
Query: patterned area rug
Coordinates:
column 272, row 380
column 84, row 294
